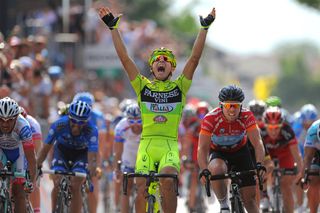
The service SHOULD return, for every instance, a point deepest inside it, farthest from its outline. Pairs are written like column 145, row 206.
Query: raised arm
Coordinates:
column 112, row 22
column 198, row 46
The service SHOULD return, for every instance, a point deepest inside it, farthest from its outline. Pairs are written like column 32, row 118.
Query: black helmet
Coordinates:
column 231, row 93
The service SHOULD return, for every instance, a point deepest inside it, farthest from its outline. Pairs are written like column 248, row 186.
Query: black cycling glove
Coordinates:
column 207, row 21
column 111, row 21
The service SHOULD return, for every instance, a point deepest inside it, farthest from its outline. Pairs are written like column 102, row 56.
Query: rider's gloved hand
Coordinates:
column 203, row 174
column 261, row 169
column 28, row 187
column 111, row 21
column 207, row 21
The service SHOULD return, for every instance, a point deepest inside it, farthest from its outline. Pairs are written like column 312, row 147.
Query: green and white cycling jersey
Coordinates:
column 161, row 104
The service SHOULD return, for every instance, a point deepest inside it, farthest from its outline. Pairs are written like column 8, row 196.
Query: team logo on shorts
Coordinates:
column 160, row 119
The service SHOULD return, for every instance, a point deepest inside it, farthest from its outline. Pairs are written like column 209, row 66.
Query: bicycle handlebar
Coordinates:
column 230, row 175
column 4, row 173
column 151, row 177
column 75, row 174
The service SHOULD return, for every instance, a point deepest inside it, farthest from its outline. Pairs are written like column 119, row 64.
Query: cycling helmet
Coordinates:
column 257, row 107
column 79, row 110
column 133, row 111
column 202, row 108
column 231, row 93
column 273, row 115
column 165, row 52
column 126, row 102
column 274, row 101
column 9, row 108
column 85, row 97
column 308, row 112
column 189, row 111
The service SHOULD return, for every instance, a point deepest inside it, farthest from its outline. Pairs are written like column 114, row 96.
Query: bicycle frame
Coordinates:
column 64, row 195
column 276, row 190
column 235, row 199
column 152, row 180
column 5, row 198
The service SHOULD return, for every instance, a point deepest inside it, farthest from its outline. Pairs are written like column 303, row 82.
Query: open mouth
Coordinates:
column 161, row 68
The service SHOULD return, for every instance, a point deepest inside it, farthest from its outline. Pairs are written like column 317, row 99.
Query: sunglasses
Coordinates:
column 78, row 122
column 163, row 57
column 230, row 105
column 7, row 119
column 273, row 126
column 135, row 121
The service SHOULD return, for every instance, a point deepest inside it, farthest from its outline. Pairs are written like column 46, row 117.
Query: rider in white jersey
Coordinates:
column 37, row 140
column 127, row 139
column 15, row 145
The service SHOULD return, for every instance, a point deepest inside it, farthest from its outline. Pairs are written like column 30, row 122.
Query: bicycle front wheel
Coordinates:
column 60, row 206
column 236, row 205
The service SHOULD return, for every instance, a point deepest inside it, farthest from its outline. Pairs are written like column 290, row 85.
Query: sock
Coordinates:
column 223, row 202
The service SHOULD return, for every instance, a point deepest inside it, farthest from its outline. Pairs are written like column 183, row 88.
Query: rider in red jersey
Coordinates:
column 225, row 130
column 282, row 144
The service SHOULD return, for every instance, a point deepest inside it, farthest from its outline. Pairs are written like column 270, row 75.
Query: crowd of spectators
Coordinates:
column 40, row 76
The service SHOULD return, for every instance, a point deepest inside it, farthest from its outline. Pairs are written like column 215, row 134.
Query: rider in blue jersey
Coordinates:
column 97, row 118
column 312, row 163
column 302, row 121
column 75, row 142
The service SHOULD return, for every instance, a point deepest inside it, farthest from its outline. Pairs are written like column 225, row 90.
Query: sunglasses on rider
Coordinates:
column 231, row 105
column 135, row 121
column 8, row 119
column 273, row 126
column 78, row 122
column 163, row 57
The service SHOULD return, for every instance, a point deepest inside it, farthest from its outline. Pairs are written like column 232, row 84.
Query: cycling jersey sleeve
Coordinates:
column 93, row 140
column 51, row 134
column 26, row 137
column 312, row 138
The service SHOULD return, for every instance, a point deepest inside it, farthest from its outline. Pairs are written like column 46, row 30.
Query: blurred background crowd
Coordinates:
column 49, row 50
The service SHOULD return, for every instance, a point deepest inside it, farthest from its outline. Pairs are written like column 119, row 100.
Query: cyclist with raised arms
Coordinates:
column 224, row 134
column 312, row 163
column 127, row 139
column 75, row 142
column 282, row 145
column 15, row 145
column 161, row 102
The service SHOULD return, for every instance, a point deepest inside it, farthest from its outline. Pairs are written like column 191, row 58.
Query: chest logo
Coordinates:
column 160, row 119
column 161, row 108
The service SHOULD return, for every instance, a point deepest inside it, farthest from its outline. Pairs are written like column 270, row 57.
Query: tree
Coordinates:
column 296, row 84
column 311, row 3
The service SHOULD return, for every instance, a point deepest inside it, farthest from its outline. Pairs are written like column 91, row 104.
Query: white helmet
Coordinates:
column 9, row 108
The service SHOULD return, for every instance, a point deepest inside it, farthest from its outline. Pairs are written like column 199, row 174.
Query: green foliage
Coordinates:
column 296, row 82
column 311, row 3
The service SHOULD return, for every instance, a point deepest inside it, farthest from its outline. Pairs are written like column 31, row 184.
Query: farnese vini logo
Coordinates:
column 160, row 119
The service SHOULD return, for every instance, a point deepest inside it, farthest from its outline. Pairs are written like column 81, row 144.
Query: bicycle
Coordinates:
column 64, row 194
column 200, row 205
column 235, row 199
column 85, row 187
column 277, row 205
column 153, row 186
column 105, row 185
column 5, row 186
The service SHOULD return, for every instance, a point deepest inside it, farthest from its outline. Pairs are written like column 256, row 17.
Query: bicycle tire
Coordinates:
column 60, row 206
column 150, row 204
column 106, row 196
column 237, row 205
column 5, row 204
column 29, row 207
